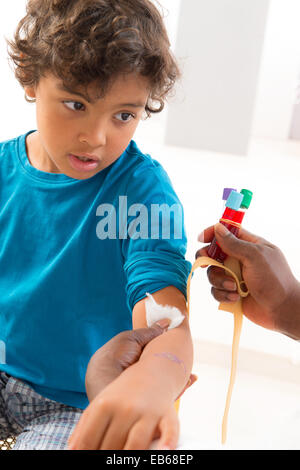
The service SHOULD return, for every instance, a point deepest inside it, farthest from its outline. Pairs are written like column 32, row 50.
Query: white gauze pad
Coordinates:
column 156, row 312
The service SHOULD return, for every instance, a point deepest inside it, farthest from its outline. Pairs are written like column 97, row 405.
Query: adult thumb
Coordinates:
column 143, row 336
column 231, row 245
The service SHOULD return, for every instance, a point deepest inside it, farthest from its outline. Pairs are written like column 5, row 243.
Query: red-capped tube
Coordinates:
column 234, row 216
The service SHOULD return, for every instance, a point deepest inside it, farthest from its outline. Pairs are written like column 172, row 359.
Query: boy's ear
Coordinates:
column 30, row 91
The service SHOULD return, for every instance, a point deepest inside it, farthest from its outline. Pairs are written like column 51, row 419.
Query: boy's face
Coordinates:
column 69, row 126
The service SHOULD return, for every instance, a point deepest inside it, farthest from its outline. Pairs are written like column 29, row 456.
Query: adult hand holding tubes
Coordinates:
column 274, row 293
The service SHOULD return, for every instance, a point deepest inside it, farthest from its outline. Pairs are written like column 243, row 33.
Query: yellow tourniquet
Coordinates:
column 232, row 266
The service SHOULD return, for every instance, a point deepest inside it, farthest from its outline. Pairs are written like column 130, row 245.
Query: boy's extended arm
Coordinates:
column 168, row 358
column 139, row 405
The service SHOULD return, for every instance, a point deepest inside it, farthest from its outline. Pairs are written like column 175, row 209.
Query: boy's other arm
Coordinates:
column 168, row 358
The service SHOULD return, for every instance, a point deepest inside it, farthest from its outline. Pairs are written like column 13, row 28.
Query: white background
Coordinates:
column 271, row 169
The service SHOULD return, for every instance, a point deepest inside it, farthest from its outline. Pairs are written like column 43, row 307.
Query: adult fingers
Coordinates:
column 192, row 379
column 224, row 296
column 144, row 335
column 207, row 235
column 202, row 252
column 240, row 248
column 219, row 279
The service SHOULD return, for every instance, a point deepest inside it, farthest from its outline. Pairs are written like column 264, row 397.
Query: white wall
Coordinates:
column 219, row 43
column 278, row 84
column 275, row 94
column 18, row 116
column 171, row 9
column 154, row 129
column 280, row 70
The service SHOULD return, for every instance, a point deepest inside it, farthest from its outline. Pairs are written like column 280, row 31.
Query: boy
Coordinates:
column 76, row 263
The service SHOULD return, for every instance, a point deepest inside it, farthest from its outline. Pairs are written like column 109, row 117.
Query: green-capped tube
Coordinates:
column 247, row 198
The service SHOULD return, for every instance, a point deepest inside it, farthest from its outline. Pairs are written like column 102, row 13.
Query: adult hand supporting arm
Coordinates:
column 122, row 351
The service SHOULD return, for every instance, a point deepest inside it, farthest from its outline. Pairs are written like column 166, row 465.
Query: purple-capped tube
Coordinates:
column 226, row 193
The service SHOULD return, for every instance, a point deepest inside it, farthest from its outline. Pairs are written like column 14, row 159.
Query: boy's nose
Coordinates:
column 94, row 137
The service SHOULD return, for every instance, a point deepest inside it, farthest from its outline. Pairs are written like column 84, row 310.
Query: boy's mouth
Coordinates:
column 81, row 163
column 84, row 159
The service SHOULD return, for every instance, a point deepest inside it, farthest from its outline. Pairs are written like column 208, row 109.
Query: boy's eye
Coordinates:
column 74, row 105
column 124, row 117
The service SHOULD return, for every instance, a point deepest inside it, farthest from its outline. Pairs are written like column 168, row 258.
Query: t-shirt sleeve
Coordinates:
column 155, row 246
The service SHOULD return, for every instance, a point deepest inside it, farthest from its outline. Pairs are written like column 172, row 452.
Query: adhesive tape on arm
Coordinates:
column 155, row 312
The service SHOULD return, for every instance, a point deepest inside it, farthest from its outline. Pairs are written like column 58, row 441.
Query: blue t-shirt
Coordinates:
column 75, row 257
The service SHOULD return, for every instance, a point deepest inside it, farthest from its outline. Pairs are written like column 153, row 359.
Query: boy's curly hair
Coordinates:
column 85, row 41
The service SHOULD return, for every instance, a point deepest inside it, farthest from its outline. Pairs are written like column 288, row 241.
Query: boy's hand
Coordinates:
column 116, row 355
column 105, row 366
column 273, row 290
column 128, row 414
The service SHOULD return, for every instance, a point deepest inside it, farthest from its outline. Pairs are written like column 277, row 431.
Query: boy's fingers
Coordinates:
column 90, row 428
column 169, row 431
column 141, row 434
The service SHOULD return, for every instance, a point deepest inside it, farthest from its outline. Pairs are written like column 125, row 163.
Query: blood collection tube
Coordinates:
column 235, row 207
column 247, row 198
column 226, row 192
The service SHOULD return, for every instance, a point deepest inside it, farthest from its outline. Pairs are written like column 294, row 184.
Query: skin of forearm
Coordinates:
column 288, row 315
column 161, row 360
column 168, row 359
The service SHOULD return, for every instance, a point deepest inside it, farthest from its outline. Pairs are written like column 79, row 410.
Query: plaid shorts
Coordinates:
column 37, row 422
